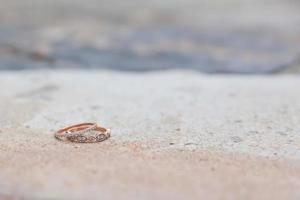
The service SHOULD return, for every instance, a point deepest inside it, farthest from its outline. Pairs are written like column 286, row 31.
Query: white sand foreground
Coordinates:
column 175, row 135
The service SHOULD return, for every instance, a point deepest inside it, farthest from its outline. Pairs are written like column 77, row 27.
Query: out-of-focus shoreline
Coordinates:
column 242, row 37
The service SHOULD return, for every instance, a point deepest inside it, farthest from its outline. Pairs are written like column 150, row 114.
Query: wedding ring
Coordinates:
column 83, row 133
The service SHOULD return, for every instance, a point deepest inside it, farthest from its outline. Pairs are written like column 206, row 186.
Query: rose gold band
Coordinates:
column 84, row 133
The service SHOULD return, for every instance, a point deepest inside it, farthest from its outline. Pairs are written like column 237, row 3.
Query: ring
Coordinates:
column 83, row 133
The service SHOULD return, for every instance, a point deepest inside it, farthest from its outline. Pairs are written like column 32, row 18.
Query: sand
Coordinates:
column 175, row 135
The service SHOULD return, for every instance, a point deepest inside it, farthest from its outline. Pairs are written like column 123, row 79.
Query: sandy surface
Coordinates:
column 175, row 135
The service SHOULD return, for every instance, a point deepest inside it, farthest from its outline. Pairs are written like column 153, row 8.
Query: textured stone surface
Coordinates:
column 229, row 36
column 175, row 135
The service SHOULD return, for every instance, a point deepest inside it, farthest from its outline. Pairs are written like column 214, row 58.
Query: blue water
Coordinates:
column 209, row 51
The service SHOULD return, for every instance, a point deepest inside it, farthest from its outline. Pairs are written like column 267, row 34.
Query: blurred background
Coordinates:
column 211, row 36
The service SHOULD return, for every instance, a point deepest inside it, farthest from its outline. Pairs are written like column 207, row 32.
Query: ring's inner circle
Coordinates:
column 79, row 128
column 100, row 129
